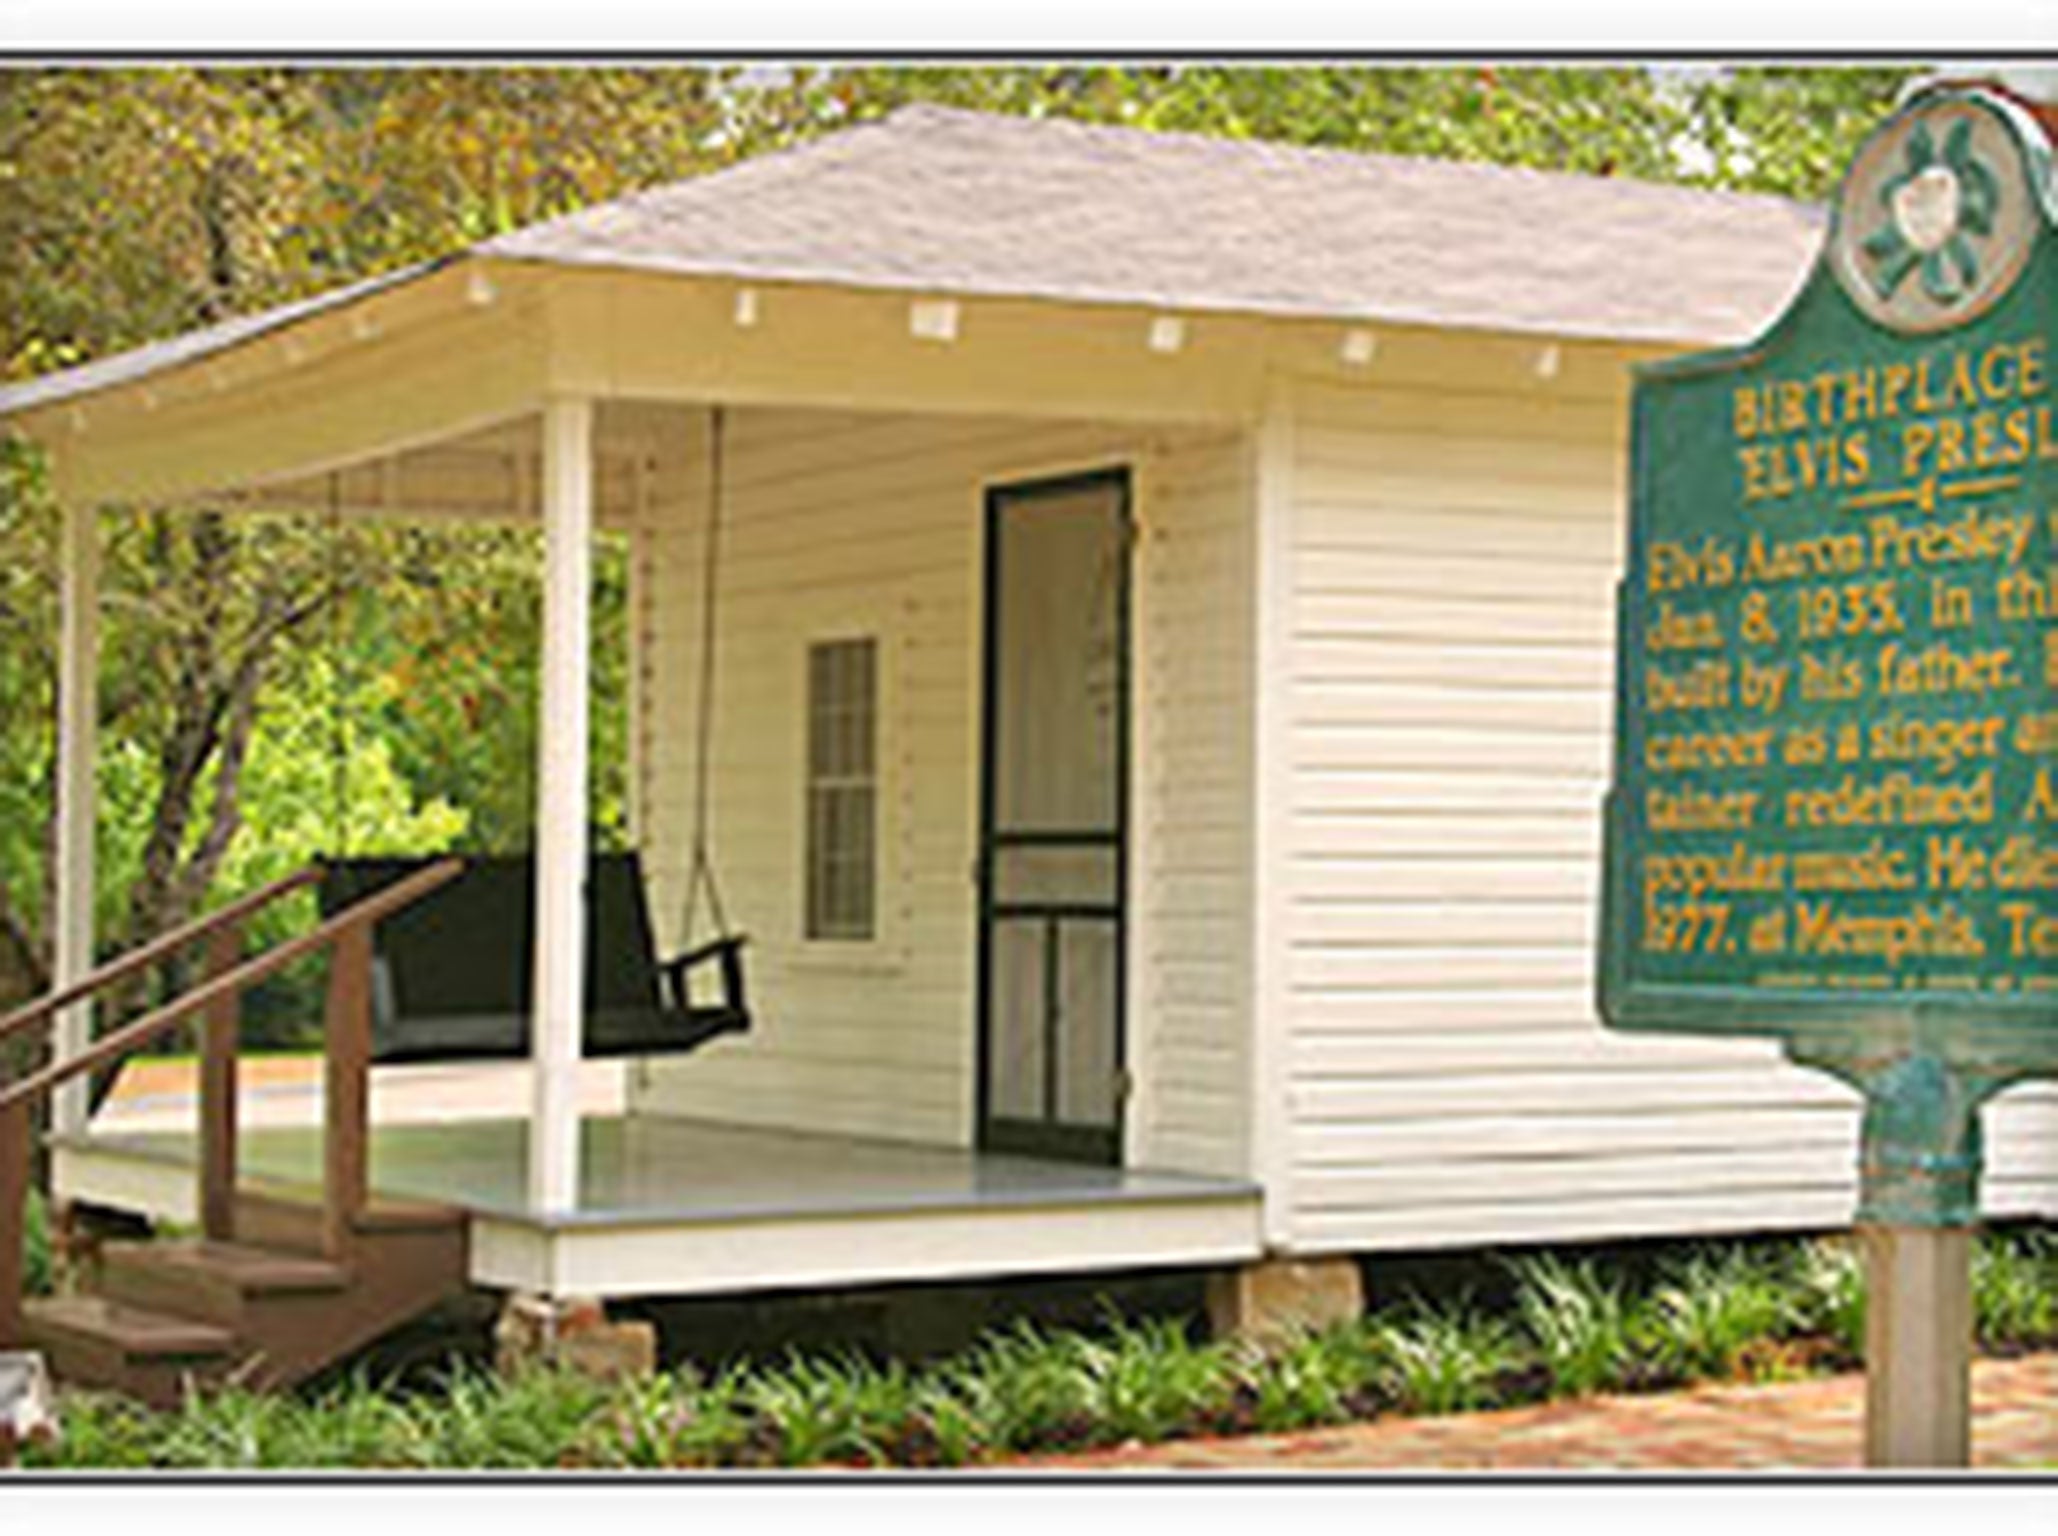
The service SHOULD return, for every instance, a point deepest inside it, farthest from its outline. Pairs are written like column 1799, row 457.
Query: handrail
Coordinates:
column 231, row 982
column 346, row 1031
column 143, row 956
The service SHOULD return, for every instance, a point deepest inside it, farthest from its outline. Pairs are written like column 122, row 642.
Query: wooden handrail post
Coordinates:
column 347, row 1027
column 16, row 1145
column 218, row 1030
column 345, row 1092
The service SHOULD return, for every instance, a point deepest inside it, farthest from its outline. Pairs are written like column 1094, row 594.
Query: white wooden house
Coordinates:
column 1172, row 569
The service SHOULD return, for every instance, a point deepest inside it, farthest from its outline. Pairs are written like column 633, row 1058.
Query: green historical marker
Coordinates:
column 1834, row 815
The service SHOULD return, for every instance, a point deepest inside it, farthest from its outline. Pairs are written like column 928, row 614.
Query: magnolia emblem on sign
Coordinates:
column 1939, row 207
column 1928, row 237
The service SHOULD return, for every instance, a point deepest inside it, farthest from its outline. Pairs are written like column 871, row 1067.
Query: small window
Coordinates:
column 842, row 788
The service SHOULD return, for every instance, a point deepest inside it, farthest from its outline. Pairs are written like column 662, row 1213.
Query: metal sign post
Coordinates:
column 1834, row 809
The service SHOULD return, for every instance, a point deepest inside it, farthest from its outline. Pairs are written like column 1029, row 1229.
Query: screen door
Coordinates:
column 1054, row 841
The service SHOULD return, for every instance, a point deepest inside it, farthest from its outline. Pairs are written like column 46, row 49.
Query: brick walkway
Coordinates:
column 1812, row 1425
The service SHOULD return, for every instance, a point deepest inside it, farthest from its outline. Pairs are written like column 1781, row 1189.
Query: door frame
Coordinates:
column 1048, row 1139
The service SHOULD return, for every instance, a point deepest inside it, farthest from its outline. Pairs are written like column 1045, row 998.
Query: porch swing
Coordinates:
column 452, row 975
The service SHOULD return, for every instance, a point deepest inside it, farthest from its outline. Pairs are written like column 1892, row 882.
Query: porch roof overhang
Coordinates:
column 460, row 354
column 1061, row 242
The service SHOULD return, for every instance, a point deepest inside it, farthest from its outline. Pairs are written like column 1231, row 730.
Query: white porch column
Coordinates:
column 560, row 960
column 78, row 731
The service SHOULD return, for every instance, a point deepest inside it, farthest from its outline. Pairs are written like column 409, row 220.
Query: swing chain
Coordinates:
column 703, row 871
column 339, row 729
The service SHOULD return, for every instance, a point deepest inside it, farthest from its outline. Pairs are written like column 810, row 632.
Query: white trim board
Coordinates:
column 714, row 1257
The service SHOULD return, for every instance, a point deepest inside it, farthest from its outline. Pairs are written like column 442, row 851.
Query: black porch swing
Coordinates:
column 452, row 975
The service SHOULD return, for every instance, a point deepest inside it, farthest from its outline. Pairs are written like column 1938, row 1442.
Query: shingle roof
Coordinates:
column 965, row 202
column 940, row 201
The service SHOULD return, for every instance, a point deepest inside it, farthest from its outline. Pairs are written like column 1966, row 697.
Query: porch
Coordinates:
column 942, row 651
column 668, row 1205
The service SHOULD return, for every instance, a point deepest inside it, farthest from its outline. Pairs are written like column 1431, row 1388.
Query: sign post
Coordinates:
column 1834, row 809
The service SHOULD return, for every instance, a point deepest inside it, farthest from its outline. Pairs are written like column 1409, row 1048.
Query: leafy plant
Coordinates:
column 675, row 1419
column 644, row 1421
column 359, row 1423
column 1445, row 1359
column 1579, row 1323
column 1151, row 1382
column 2014, row 1290
column 832, row 1410
column 1713, row 1308
column 1830, row 1279
column 235, row 1430
column 1030, row 1389
column 1324, row 1377
column 1722, row 1311
column 947, row 1428
column 534, row 1418
column 100, row 1430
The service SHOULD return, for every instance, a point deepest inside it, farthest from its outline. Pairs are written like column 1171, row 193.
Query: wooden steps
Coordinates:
column 217, row 1282
column 150, row 1355
column 290, row 1284
column 265, row 1311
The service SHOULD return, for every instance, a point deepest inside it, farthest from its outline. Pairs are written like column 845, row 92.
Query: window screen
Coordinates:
column 842, row 788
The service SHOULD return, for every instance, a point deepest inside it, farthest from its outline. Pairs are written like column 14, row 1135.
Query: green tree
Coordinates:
column 1788, row 131
column 457, row 627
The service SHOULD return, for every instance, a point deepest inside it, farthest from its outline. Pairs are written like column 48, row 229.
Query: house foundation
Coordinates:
column 574, row 1333
column 1277, row 1297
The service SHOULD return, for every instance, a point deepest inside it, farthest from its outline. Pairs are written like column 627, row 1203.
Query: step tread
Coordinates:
column 136, row 1331
column 242, row 1265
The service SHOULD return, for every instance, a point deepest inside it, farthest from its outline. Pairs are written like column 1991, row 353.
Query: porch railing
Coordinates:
column 216, row 1002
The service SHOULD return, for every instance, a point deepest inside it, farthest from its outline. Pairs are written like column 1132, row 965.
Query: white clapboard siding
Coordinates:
column 1493, row 535
column 1189, row 1019
column 849, row 523
column 1448, row 1013
column 1454, row 561
column 1337, row 875
column 1508, row 838
column 1472, row 791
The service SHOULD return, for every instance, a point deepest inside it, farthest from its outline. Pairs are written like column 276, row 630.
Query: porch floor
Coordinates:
column 645, row 1169
column 671, row 1207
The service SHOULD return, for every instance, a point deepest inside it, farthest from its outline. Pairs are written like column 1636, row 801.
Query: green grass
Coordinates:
column 1570, row 1329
